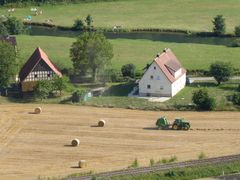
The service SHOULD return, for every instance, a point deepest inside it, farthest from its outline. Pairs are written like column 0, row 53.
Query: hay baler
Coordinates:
column 178, row 124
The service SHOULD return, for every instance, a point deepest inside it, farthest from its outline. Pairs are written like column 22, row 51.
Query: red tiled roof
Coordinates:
column 36, row 57
column 10, row 39
column 169, row 64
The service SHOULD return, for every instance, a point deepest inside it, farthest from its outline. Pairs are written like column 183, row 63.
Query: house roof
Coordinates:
column 35, row 58
column 10, row 39
column 169, row 64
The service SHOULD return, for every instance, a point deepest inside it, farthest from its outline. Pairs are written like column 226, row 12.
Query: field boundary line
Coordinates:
column 162, row 167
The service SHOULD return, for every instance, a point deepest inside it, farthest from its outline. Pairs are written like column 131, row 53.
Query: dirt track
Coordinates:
column 32, row 145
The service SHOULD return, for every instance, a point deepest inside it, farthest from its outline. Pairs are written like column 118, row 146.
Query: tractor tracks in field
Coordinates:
column 216, row 129
column 163, row 167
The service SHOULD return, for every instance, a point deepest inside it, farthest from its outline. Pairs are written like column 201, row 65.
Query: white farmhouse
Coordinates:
column 165, row 77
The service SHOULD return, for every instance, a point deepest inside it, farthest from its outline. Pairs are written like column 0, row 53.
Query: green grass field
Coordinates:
column 116, row 97
column 186, row 14
column 139, row 52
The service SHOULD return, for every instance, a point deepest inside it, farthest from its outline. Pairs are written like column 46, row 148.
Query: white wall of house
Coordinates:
column 154, row 83
column 178, row 85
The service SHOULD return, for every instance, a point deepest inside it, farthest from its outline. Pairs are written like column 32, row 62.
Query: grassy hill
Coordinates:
column 139, row 52
column 186, row 14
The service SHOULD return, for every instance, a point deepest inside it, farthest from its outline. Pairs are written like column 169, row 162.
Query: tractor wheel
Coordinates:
column 175, row 127
column 186, row 127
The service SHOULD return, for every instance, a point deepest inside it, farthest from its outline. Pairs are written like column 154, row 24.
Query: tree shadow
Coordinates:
column 170, row 37
column 119, row 90
column 203, row 84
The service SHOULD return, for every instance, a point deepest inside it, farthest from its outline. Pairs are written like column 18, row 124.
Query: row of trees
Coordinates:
column 86, row 25
column 220, row 26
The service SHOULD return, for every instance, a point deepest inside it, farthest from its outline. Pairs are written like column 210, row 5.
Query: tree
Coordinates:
column 42, row 89
column 78, row 25
column 89, row 21
column 13, row 25
column 236, row 98
column 59, row 83
column 221, row 71
column 219, row 25
column 203, row 101
column 3, row 30
column 237, row 30
column 8, row 63
column 91, row 51
column 128, row 70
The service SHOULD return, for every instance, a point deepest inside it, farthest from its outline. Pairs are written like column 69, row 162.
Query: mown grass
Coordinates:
column 187, row 173
column 139, row 52
column 187, row 14
column 182, row 101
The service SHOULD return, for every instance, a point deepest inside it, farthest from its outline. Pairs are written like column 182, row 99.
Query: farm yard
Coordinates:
column 198, row 54
column 195, row 15
column 34, row 145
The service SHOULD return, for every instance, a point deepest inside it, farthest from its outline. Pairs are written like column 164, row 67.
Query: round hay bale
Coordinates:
column 75, row 142
column 82, row 163
column 38, row 110
column 101, row 123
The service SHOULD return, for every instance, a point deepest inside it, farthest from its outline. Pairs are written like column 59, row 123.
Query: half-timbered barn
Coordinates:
column 38, row 67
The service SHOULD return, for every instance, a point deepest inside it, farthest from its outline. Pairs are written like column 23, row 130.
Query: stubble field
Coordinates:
column 33, row 145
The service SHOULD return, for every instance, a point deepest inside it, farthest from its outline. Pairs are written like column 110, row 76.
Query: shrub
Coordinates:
column 173, row 159
column 78, row 25
column 42, row 89
column 3, row 29
column 152, row 162
column 238, row 88
column 219, row 25
column 59, row 83
column 203, row 101
column 235, row 43
column 14, row 26
column 134, row 164
column 202, row 155
column 78, row 96
column 221, row 71
column 237, row 30
column 236, row 98
column 128, row 70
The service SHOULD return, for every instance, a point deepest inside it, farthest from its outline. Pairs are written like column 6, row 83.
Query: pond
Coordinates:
column 154, row 36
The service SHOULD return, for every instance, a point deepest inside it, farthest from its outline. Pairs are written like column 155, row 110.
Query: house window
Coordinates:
column 35, row 75
column 151, row 77
column 149, row 86
column 161, row 87
column 48, row 74
column 154, row 67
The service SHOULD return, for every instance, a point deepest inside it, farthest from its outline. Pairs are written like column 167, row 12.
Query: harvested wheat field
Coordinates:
column 40, row 144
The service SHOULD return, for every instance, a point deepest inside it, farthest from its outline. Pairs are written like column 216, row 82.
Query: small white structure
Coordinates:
column 165, row 77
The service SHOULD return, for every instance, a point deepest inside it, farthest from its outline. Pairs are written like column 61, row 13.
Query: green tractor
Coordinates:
column 178, row 124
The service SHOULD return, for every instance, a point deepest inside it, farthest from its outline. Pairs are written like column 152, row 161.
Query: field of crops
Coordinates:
column 32, row 145
column 187, row 14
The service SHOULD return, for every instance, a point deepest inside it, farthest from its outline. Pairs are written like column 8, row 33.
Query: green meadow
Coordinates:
column 174, row 14
column 139, row 52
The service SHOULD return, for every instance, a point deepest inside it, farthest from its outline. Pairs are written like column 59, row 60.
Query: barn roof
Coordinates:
column 169, row 64
column 10, row 39
column 35, row 58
